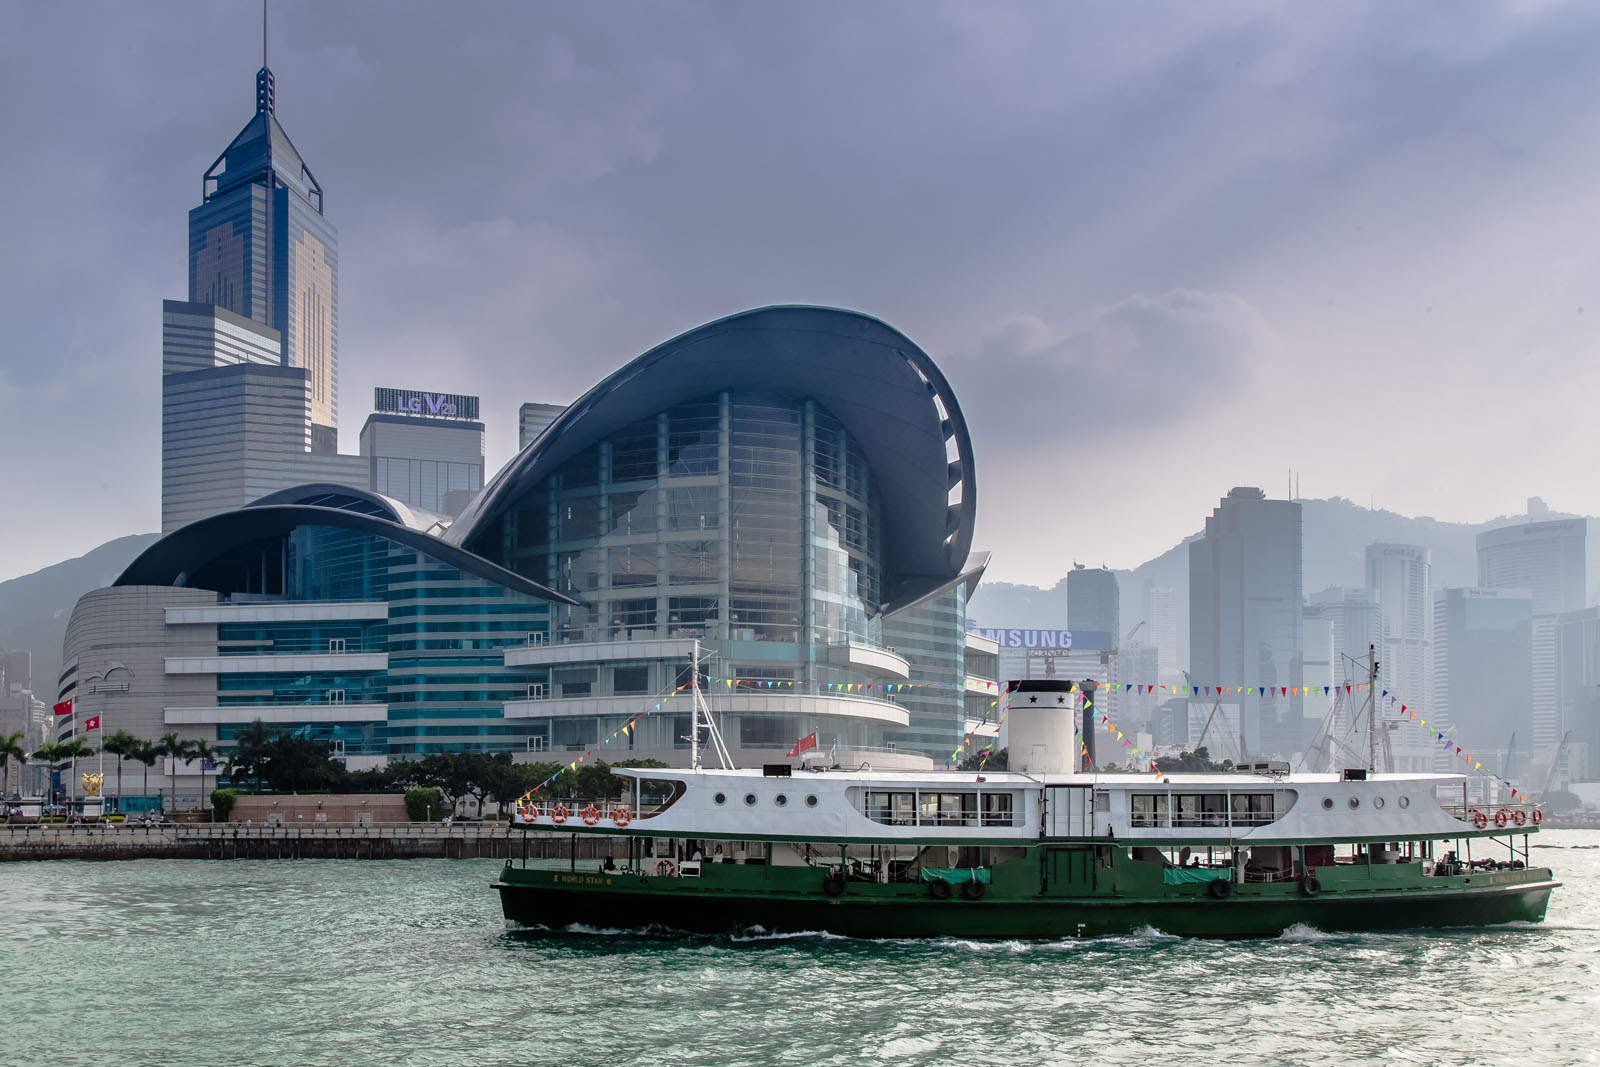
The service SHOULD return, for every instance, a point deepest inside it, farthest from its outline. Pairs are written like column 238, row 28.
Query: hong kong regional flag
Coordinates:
column 63, row 708
column 91, row 723
column 809, row 741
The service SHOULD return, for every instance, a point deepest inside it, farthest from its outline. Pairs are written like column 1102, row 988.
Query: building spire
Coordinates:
column 265, row 101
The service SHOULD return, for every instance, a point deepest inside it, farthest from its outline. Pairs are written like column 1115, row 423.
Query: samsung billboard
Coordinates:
column 1090, row 640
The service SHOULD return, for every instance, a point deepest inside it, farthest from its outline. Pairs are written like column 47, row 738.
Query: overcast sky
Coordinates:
column 1159, row 249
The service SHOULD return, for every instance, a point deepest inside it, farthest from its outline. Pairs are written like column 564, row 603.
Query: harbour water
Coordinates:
column 179, row 962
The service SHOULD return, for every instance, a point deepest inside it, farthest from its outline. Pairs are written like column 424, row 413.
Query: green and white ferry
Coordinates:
column 1039, row 851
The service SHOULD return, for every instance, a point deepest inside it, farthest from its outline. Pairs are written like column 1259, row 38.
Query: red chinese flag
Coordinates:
column 91, row 723
column 809, row 741
column 63, row 708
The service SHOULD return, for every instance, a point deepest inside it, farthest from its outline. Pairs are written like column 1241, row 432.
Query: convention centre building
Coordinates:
column 788, row 492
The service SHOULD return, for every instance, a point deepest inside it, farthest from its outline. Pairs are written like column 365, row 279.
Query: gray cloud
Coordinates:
column 528, row 195
column 1138, row 363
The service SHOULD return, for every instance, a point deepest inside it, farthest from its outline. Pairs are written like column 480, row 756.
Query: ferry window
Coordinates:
column 1377, row 802
column 1327, row 803
column 997, row 809
column 780, row 800
column 948, row 809
column 895, row 809
column 1355, row 802
column 750, row 798
column 1200, row 809
column 721, row 798
column 1404, row 802
column 657, row 795
column 1252, row 809
column 1149, row 809
column 811, row 801
column 1102, row 802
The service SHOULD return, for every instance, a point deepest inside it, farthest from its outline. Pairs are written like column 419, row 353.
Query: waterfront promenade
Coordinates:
column 406, row 840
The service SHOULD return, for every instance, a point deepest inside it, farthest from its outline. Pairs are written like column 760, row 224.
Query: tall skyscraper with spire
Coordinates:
column 261, row 246
column 250, row 381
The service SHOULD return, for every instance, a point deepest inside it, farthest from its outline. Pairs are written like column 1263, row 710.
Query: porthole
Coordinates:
column 750, row 799
column 1327, row 803
column 1355, row 802
column 780, row 800
column 1377, row 802
column 721, row 798
column 1404, row 802
column 811, row 801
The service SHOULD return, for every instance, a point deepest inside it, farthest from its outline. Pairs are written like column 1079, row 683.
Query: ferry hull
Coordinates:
column 555, row 900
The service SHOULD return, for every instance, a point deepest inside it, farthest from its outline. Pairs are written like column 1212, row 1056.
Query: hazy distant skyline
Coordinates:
column 1159, row 250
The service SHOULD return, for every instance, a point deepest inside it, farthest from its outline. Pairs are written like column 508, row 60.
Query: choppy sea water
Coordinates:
column 361, row 962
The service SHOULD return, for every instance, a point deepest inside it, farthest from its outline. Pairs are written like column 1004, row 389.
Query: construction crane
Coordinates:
column 1555, row 767
column 1216, row 706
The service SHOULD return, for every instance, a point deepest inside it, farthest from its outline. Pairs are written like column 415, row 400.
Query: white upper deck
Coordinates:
column 1013, row 807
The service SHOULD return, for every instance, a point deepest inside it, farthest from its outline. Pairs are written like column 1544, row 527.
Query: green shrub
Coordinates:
column 222, row 803
column 424, row 804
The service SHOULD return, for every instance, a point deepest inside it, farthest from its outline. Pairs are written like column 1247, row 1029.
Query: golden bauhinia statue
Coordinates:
column 91, row 783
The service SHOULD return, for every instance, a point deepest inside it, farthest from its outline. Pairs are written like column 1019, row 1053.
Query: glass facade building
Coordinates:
column 260, row 246
column 786, row 494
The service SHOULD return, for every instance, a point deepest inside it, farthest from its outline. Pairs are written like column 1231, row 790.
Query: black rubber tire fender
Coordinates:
column 1220, row 888
column 1309, row 886
column 973, row 890
column 940, row 889
column 833, row 885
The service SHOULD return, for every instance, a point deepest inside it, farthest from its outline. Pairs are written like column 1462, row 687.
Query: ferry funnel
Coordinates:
column 1039, row 726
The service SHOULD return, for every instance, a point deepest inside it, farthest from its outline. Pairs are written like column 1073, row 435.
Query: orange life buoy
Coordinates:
column 591, row 815
column 559, row 814
column 1520, row 817
column 530, row 812
column 1480, row 820
column 620, row 816
column 1538, row 816
column 1500, row 818
column 665, row 868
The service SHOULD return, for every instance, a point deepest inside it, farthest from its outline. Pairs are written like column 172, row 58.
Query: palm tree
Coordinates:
column 202, row 750
column 145, row 753
column 175, row 748
column 120, row 745
column 51, row 754
column 73, row 750
column 10, row 749
column 48, row 754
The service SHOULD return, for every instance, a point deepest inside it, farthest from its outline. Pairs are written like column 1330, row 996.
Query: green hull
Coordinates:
column 779, row 900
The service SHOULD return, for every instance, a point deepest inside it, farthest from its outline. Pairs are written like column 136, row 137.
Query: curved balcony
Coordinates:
column 870, row 659
column 737, row 702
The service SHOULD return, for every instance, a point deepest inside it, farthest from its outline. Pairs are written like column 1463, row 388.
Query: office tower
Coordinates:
column 424, row 449
column 235, row 423
column 1161, row 627
column 1548, row 560
column 1094, row 602
column 1401, row 580
column 532, row 419
column 260, row 246
column 1356, row 623
column 1245, row 620
column 1578, row 665
column 1483, row 671
column 249, row 390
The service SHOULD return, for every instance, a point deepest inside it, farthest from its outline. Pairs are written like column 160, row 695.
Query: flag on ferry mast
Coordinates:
column 805, row 744
column 63, row 708
column 91, row 723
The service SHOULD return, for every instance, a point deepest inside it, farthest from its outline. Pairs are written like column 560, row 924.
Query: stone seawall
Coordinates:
column 322, row 841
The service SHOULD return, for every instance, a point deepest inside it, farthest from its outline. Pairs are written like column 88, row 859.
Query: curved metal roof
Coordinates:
column 885, row 390
column 186, row 550
column 354, row 498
